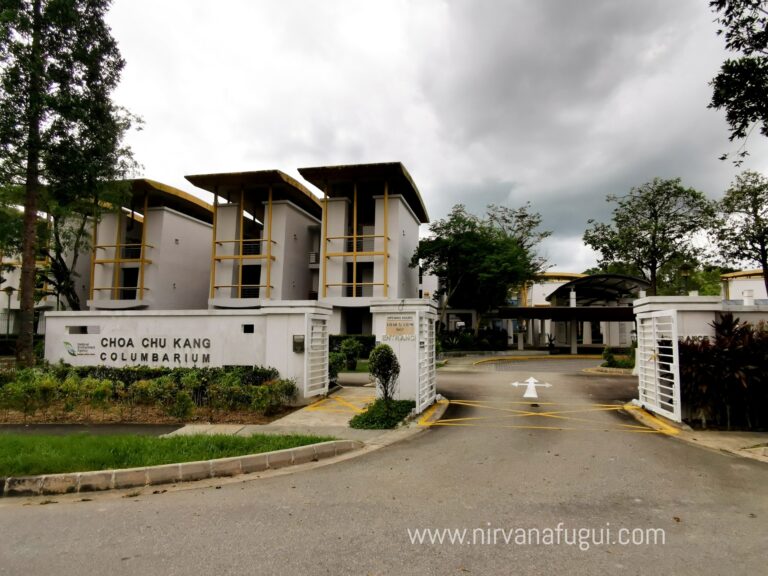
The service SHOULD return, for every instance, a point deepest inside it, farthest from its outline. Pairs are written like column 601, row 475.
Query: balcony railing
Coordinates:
column 314, row 257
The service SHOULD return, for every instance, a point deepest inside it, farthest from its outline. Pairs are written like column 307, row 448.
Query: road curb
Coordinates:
column 651, row 421
column 77, row 482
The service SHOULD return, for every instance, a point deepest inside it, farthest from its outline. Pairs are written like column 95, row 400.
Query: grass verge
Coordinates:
column 382, row 416
column 22, row 455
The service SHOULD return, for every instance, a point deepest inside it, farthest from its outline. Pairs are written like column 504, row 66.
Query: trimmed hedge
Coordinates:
column 179, row 392
column 724, row 381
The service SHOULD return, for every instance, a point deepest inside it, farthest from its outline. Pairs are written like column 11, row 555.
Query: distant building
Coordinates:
column 369, row 232
column 266, row 238
column 735, row 284
column 152, row 255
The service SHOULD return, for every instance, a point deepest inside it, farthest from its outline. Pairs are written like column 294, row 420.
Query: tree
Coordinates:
column 478, row 260
column 58, row 126
column 652, row 225
column 742, row 226
column 741, row 87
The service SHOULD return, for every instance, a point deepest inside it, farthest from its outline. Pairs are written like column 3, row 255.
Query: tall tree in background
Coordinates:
column 741, row 87
column 742, row 228
column 58, row 125
column 652, row 225
column 479, row 260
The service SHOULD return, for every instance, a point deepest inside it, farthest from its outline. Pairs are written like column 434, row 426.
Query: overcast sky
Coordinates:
column 555, row 102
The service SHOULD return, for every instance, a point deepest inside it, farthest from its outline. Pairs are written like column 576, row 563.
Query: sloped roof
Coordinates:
column 162, row 195
column 256, row 186
column 394, row 173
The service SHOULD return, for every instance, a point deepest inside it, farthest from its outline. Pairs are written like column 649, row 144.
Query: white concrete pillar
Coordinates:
column 587, row 331
column 574, row 337
column 396, row 323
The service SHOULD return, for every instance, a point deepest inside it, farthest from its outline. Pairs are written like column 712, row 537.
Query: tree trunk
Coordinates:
column 25, row 345
column 652, row 287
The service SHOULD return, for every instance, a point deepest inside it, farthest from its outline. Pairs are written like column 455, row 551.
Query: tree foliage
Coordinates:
column 741, row 86
column 479, row 260
column 59, row 129
column 651, row 226
column 742, row 226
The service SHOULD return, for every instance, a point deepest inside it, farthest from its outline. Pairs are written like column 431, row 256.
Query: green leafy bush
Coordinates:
column 335, row 365
column 351, row 349
column 366, row 341
column 724, row 381
column 383, row 414
column 271, row 398
column 385, row 369
column 177, row 392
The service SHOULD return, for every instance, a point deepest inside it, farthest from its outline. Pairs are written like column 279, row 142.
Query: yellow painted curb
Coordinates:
column 542, row 357
column 644, row 417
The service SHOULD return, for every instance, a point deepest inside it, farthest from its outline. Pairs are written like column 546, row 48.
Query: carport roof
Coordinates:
column 599, row 288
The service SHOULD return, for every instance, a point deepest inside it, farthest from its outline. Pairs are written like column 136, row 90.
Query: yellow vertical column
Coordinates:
column 269, row 244
column 324, row 241
column 213, row 243
column 386, row 238
column 116, row 259
column 241, row 224
column 142, row 251
column 354, row 241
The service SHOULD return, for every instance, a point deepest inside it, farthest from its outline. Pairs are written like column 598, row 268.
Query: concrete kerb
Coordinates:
column 50, row 484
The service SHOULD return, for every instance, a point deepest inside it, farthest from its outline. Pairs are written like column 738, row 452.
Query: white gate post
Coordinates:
column 408, row 327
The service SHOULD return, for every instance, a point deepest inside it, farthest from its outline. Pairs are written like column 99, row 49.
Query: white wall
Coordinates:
column 180, row 273
column 182, row 338
column 290, row 275
column 736, row 287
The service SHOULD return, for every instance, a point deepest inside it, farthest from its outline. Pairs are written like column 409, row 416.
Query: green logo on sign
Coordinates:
column 70, row 348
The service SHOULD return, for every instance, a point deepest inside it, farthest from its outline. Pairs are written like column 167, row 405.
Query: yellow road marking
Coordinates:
column 506, row 413
column 340, row 405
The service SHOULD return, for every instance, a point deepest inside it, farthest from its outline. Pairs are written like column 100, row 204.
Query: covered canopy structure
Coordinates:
column 582, row 301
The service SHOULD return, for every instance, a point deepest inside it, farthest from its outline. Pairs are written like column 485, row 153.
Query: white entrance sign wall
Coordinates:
column 280, row 336
column 408, row 327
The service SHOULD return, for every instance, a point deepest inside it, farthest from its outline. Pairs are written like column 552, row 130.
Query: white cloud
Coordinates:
column 554, row 102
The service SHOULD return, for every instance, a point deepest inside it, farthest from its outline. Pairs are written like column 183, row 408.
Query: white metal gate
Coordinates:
column 316, row 357
column 657, row 363
column 427, row 380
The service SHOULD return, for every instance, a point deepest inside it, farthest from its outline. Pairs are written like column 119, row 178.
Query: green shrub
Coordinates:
column 335, row 365
column 271, row 398
column 182, row 405
column 382, row 414
column 21, row 396
column 351, row 350
column 366, row 341
column 71, row 391
column 724, row 381
column 385, row 369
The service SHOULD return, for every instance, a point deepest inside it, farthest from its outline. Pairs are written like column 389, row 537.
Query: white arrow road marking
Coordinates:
column 530, row 387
